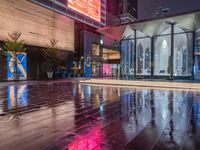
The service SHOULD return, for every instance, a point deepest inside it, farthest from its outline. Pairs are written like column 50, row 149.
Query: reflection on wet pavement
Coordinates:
column 66, row 115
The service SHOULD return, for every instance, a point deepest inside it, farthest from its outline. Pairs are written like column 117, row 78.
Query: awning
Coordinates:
column 190, row 21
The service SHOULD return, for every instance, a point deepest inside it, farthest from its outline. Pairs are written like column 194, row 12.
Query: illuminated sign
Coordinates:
column 20, row 66
column 90, row 8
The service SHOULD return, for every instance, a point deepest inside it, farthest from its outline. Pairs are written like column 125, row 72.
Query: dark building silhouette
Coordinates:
column 121, row 11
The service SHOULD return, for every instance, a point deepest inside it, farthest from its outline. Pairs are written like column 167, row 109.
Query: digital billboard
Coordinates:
column 20, row 67
column 90, row 8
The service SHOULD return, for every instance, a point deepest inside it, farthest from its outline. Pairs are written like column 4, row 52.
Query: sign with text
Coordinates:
column 90, row 8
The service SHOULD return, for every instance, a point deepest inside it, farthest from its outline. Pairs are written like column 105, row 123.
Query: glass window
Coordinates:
column 183, row 57
column 127, row 57
column 95, row 68
column 162, row 55
column 143, row 61
column 95, row 50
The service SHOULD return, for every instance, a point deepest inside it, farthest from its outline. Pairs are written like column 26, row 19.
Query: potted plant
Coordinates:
column 51, row 58
column 14, row 46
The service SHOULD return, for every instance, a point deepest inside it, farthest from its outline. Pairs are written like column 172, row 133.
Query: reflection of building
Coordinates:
column 160, row 48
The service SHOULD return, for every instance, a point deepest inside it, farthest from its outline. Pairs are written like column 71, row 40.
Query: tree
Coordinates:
column 51, row 55
column 14, row 45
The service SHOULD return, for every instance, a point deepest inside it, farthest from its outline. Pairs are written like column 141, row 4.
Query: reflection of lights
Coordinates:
column 74, row 91
column 164, row 114
column 101, row 108
column 91, row 141
column 79, row 88
column 88, row 89
column 17, row 96
column 118, row 91
column 1, row 107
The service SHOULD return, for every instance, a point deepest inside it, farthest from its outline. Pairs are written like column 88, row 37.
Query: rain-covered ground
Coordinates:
column 66, row 115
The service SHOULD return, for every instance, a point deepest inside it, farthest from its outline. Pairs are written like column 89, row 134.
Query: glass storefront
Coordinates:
column 197, row 55
column 143, row 59
column 127, row 57
column 183, row 54
column 111, row 70
column 95, row 69
column 162, row 55
column 167, row 54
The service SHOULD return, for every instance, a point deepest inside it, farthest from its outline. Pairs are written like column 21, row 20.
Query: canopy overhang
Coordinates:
column 189, row 21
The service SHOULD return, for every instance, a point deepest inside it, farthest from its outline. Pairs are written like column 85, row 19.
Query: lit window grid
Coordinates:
column 75, row 15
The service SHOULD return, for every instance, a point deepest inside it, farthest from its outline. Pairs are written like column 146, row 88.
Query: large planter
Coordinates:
column 50, row 75
column 16, row 75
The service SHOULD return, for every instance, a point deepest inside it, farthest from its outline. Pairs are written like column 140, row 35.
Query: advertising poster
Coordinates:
column 21, row 65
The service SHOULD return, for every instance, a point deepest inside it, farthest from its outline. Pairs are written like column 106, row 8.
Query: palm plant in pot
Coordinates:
column 51, row 58
column 14, row 45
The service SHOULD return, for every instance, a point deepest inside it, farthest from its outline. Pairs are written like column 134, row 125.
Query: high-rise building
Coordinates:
column 127, row 10
column 121, row 11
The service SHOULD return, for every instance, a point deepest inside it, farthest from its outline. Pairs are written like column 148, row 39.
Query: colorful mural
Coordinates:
column 21, row 66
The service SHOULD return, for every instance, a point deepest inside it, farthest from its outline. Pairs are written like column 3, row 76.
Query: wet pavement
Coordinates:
column 63, row 115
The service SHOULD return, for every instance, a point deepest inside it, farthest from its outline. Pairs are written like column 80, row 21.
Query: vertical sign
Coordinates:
column 21, row 65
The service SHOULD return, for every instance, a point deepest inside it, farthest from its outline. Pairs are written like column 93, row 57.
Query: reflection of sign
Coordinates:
column 17, row 96
column 92, row 141
column 90, row 8
column 20, row 67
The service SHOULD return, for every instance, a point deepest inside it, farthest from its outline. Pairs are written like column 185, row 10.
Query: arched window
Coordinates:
column 143, row 61
column 182, row 53
column 162, row 55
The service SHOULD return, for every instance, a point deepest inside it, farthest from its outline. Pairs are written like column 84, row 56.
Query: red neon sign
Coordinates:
column 90, row 8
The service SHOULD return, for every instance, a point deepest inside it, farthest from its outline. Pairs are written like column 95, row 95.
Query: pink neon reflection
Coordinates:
column 91, row 141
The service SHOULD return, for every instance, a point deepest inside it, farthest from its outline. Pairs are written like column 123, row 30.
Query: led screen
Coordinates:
column 90, row 8
column 20, row 67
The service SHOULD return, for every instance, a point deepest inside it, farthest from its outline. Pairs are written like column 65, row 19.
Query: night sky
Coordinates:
column 147, row 8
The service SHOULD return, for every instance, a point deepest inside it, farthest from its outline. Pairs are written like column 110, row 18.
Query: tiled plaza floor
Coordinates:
column 64, row 115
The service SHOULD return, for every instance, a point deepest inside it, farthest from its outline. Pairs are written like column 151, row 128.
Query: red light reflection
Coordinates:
column 91, row 141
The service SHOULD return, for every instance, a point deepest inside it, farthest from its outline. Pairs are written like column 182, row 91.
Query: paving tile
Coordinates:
column 64, row 114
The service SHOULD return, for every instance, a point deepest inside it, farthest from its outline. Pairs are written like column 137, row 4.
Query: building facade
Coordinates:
column 165, row 48
column 40, row 21
column 73, row 10
column 121, row 11
column 128, row 10
column 38, row 27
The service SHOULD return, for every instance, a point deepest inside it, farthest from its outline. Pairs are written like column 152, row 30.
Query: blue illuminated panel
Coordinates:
column 21, row 65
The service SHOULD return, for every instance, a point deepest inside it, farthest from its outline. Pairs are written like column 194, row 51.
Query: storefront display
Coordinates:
column 95, row 69
column 171, row 55
column 111, row 70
